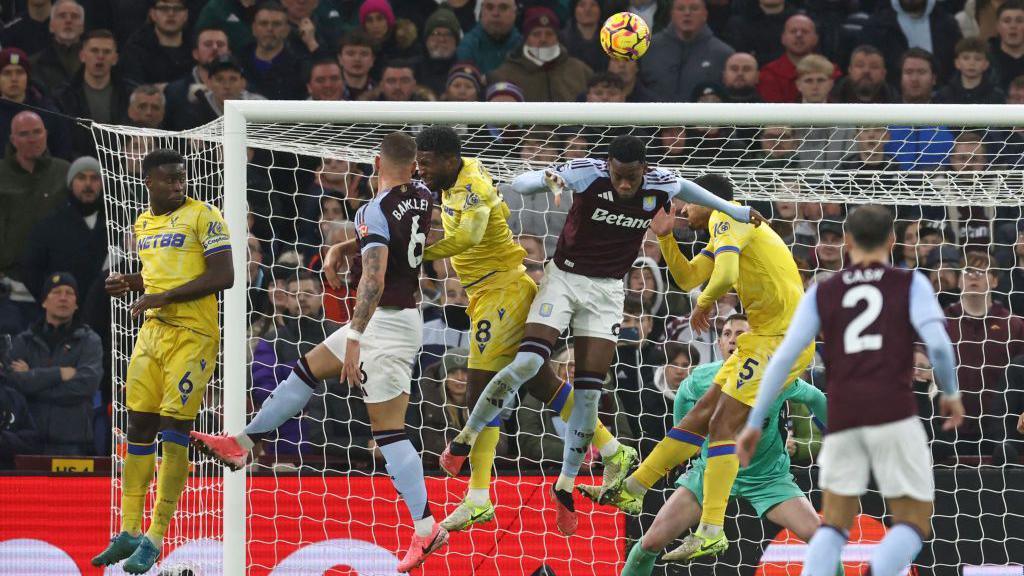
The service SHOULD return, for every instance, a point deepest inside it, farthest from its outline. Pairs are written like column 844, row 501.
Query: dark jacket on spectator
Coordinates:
column 180, row 96
column 57, row 128
column 486, row 52
column 1004, row 67
column 26, row 199
column 883, row 32
column 648, row 410
column 18, row 434
column 283, row 80
column 233, row 17
column 757, row 33
column 434, row 73
column 26, row 33
column 560, row 80
column 845, row 93
column 62, row 410
column 145, row 61
column 985, row 93
column 73, row 102
column 64, row 242
column 588, row 51
column 672, row 68
column 55, row 66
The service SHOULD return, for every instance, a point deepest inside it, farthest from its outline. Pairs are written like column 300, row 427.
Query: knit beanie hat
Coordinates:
column 443, row 17
column 371, row 6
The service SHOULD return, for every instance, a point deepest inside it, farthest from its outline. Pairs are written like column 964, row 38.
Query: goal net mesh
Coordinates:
column 954, row 192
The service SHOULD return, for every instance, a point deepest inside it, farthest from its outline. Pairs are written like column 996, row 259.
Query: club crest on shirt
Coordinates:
column 546, row 309
column 471, row 198
column 649, row 203
column 363, row 230
column 721, row 228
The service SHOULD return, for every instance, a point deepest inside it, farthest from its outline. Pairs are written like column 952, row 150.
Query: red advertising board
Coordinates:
column 314, row 525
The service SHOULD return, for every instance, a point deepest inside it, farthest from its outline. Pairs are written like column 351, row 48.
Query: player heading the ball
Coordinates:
column 582, row 289
column 869, row 315
column 375, row 351
column 186, row 260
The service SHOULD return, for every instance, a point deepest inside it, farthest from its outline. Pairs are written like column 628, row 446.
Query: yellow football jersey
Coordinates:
column 497, row 251
column 173, row 248
column 769, row 284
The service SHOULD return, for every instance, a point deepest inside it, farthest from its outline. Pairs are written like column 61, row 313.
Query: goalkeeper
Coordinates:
column 766, row 484
column 489, row 264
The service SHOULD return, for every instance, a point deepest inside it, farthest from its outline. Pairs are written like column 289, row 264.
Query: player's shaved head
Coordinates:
column 870, row 226
column 627, row 149
column 160, row 157
column 398, row 149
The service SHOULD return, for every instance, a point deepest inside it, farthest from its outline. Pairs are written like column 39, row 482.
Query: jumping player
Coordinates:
column 583, row 288
column 759, row 264
column 186, row 260
column 375, row 351
column 869, row 316
column 489, row 264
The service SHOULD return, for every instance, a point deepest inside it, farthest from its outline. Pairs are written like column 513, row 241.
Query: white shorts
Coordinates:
column 386, row 352
column 897, row 454
column 592, row 306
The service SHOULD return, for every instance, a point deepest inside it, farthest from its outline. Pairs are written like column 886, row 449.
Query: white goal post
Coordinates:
column 305, row 127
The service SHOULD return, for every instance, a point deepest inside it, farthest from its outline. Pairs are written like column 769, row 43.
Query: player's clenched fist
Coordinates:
column 117, row 285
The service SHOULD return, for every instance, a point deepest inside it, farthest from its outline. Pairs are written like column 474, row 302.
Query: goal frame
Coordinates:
column 238, row 113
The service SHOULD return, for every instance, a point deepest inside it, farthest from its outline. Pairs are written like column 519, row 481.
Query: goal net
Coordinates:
column 319, row 499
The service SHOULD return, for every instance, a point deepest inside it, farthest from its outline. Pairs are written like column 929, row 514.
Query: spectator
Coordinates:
column 1015, row 278
column 325, row 80
column 493, row 39
column 778, row 78
column 32, row 186
column 636, row 356
column 338, row 302
column 28, row 29
column 1006, row 145
column 235, row 17
column 182, row 93
column 645, row 282
column 740, row 77
column 777, row 149
column 581, row 36
column 627, row 71
column 441, row 35
column 74, row 238
column 316, row 27
column 680, row 359
column 57, row 364
column 973, row 224
column 923, row 147
column 544, row 70
column 95, row 92
column 605, row 87
column 757, row 29
column 465, row 84
column 541, row 431
column 444, row 409
column 275, row 356
column 451, row 328
column 146, row 107
column 972, row 84
column 908, row 24
column 157, row 53
column 356, row 59
column 18, row 434
column 397, row 83
column 1006, row 429
column 682, row 56
column 227, row 81
column 986, row 338
column 943, row 265
column 869, row 152
column 57, row 63
column 17, row 91
column 1007, row 49
column 820, row 147
column 271, row 69
column 829, row 249
column 392, row 39
column 978, row 18
column 865, row 82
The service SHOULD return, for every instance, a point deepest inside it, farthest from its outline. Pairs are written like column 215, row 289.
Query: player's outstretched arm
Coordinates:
column 808, row 395
column 687, row 274
column 694, row 193
column 469, row 233
column 371, row 286
column 219, row 275
column 805, row 325
column 334, row 258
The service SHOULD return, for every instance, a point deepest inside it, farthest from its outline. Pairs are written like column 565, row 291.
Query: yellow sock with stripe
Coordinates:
column 135, row 479
column 676, row 447
column 170, row 482
column 723, row 465
column 563, row 401
column 481, row 461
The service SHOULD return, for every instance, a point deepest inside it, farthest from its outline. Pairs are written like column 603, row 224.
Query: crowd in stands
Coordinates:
column 171, row 64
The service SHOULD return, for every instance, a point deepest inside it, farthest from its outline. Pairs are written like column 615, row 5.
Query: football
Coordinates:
column 625, row 36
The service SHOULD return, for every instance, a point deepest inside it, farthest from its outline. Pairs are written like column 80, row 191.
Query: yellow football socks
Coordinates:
column 170, row 482
column 136, row 476
column 676, row 447
column 481, row 458
column 723, row 465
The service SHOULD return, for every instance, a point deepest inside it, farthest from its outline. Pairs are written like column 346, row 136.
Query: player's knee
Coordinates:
column 653, row 541
column 142, row 427
column 525, row 366
column 182, row 426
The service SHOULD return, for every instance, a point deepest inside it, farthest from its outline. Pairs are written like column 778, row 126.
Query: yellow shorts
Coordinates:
column 169, row 370
column 740, row 376
column 498, row 317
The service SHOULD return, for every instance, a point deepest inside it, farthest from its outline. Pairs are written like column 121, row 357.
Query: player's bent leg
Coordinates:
column 387, row 423
column 679, row 514
column 825, row 549
column 797, row 515
column 481, row 455
column 903, row 542
column 723, row 464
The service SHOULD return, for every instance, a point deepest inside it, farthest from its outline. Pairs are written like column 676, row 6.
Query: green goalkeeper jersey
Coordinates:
column 770, row 460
